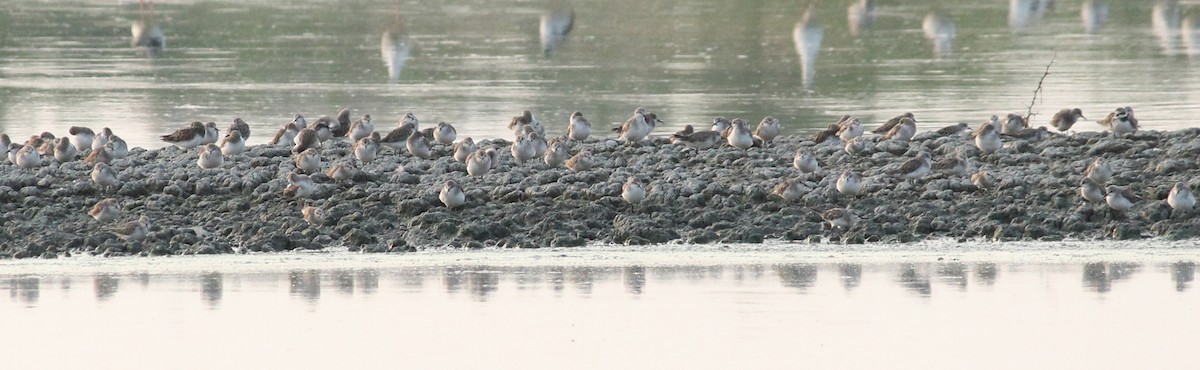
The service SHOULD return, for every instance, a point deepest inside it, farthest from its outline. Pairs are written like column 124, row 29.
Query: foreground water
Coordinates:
column 475, row 63
column 995, row 306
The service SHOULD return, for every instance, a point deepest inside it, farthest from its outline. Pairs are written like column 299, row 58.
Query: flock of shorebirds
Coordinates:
column 531, row 143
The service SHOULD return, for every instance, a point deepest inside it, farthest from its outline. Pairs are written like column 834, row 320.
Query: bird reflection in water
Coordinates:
column 305, row 284
column 799, row 276
column 146, row 33
column 986, row 273
column 1101, row 275
column 556, row 23
column 344, row 281
column 860, row 16
column 1165, row 20
column 25, row 289
column 395, row 47
column 851, row 274
column 105, row 286
column 807, row 36
column 634, row 278
column 212, row 288
column 940, row 31
column 1189, row 30
column 1182, row 273
column 913, row 279
column 1023, row 12
column 1093, row 13
column 482, row 284
column 954, row 273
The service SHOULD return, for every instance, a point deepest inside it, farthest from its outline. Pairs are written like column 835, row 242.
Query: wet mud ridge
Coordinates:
column 719, row 195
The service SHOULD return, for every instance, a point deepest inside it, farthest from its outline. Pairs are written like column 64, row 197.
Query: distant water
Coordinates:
column 606, row 308
column 476, row 63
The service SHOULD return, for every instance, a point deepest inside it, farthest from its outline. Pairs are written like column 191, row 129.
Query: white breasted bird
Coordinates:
column 582, row 161
column 445, row 133
column 768, row 129
column 1181, row 197
column 1119, row 198
column 481, row 161
column 463, row 149
column 361, row 128
column 579, row 128
column 805, row 161
column 210, row 157
column 81, row 138
column 309, row 161
column 188, row 137
column 452, row 194
column 104, row 176
column 739, row 135
column 633, row 191
column 105, row 211
column 849, row 183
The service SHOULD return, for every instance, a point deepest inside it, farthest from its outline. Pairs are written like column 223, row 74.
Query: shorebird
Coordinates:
column 983, row 180
column 954, row 129
column 633, row 191
column 637, row 127
column 739, row 135
column 522, row 149
column 211, row 133
column 917, row 167
column 445, row 133
column 1119, row 198
column 525, row 119
column 117, row 147
column 102, row 138
column 987, row 139
column 557, row 153
column 903, row 130
column 579, row 128
column 340, row 172
column 994, row 121
column 64, row 151
column 418, row 146
column 1099, row 170
column 452, row 194
column 849, row 183
column 309, row 161
column 1090, row 190
column 28, row 157
column 953, row 166
column 106, row 210
column 324, row 129
column 81, row 137
column 361, row 128
column 850, row 128
column 1120, row 121
column 307, row 139
column 299, row 186
column 698, row 140
column 722, row 125
column 398, row 137
column 5, row 142
column 210, row 157
column 840, row 219
column 1064, row 119
column 830, row 132
column 582, row 161
column 409, row 118
column 185, row 138
column 1013, row 123
column 234, row 143
column 1030, row 134
column 104, row 176
column 1181, row 197
column 133, row 230
column 891, row 123
column 287, row 134
column 790, row 189
column 102, row 155
column 341, row 126
column 44, row 146
column 768, row 129
column 805, row 161
column 539, row 144
column 463, row 149
column 481, row 161
column 300, row 122
column 366, row 148
column 312, row 215
column 240, row 126
column 855, row 146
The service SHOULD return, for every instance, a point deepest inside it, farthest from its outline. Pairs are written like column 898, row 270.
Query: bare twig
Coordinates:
column 1029, row 112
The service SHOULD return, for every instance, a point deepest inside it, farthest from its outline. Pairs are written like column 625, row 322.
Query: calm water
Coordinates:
column 475, row 63
column 596, row 308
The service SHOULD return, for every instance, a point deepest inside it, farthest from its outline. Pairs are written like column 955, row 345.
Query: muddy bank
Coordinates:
column 709, row 196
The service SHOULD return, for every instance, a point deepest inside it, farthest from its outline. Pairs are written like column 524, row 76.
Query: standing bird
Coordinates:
column 102, row 155
column 104, row 176
column 324, row 128
column 28, row 157
column 481, row 161
column 102, row 138
column 234, row 143
column 557, row 153
column 1064, row 119
column 891, row 123
column 1099, row 170
column 1090, row 190
column 637, row 127
column 722, row 125
column 463, row 149
column 1013, row 123
column 64, row 151
column 81, row 138
column 312, row 215
column 582, row 161
column 903, row 131
column 133, row 230
column 6, row 142
column 805, row 161
column 106, row 210
column 633, row 191
column 185, row 138
column 211, row 133
column 523, row 149
column 362, row 128
column 287, row 134
column 418, row 145
column 299, row 186
column 240, row 126
column 340, row 172
column 579, row 128
column 790, row 189
column 1120, row 121
column 341, row 126
column 830, row 132
column 739, row 135
column 398, row 137
column 300, row 122
column 309, row 161
column 444, row 133
column 307, row 139
column 366, row 148
column 917, row 167
column 1181, row 197
column 840, row 219
column 850, row 128
column 210, row 157
column 855, row 146
column 117, row 147
column 987, row 139
column 452, row 194
column 517, row 124
column 768, row 129
column 849, row 183
column 953, row 166
column 1119, row 198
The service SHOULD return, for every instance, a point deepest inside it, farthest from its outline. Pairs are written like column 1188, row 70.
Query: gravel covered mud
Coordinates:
column 720, row 195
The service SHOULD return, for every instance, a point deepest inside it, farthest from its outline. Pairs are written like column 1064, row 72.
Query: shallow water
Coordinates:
column 475, row 63
column 677, row 307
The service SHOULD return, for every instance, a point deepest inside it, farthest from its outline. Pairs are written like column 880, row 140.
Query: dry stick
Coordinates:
column 1038, row 90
